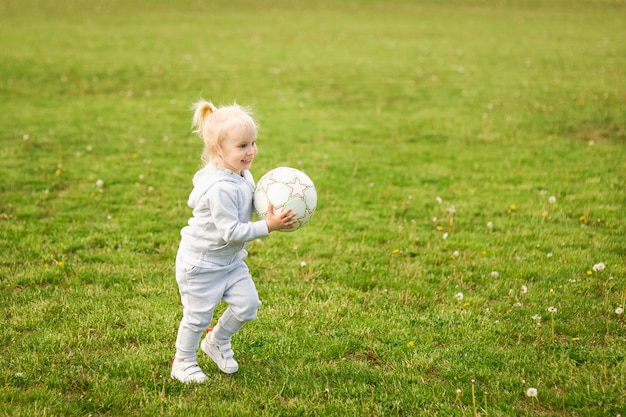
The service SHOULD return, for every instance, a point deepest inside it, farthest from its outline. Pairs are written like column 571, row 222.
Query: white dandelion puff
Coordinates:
column 531, row 392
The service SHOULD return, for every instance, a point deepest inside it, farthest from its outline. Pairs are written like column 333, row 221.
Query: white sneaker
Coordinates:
column 187, row 372
column 221, row 353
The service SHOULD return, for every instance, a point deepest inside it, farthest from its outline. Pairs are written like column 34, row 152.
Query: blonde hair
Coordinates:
column 213, row 125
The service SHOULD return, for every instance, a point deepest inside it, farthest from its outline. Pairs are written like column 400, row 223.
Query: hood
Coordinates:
column 205, row 179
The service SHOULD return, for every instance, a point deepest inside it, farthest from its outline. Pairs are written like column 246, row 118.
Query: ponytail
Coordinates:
column 202, row 109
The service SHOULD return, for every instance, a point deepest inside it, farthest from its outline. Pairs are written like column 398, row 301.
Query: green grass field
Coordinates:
column 470, row 237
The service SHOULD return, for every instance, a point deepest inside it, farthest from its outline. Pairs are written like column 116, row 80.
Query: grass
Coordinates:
column 420, row 123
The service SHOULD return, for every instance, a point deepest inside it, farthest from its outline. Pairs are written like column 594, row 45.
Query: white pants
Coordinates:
column 201, row 290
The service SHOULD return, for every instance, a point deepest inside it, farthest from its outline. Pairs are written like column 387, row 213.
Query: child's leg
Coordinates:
column 244, row 304
column 243, row 300
column 199, row 297
column 227, row 326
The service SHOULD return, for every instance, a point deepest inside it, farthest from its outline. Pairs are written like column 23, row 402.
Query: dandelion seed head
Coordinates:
column 459, row 296
column 536, row 317
column 599, row 267
column 552, row 309
column 455, row 253
column 439, row 200
column 445, row 236
column 490, row 225
column 524, row 289
column 619, row 310
column 531, row 392
column 302, row 264
column 100, row 183
column 552, row 199
column 495, row 274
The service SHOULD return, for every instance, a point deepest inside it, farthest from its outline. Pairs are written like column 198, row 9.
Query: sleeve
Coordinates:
column 225, row 210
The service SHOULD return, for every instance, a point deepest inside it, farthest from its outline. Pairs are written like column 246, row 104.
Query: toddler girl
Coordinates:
column 210, row 263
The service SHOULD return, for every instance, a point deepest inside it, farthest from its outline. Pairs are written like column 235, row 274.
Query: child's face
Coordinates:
column 238, row 153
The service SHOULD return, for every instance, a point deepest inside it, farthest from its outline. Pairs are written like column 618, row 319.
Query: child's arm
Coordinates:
column 231, row 228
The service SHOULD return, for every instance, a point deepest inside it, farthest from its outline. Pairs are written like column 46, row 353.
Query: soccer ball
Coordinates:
column 286, row 187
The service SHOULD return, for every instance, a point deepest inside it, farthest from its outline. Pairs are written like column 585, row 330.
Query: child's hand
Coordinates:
column 278, row 221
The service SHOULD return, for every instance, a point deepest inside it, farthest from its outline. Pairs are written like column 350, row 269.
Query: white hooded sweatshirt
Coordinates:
column 221, row 225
